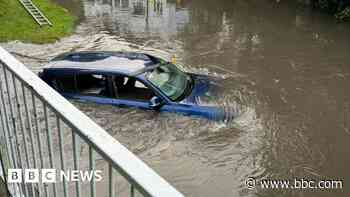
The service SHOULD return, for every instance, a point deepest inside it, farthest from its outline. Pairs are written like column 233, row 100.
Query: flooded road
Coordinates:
column 288, row 69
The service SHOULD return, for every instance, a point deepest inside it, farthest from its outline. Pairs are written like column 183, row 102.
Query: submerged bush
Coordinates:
column 340, row 8
column 344, row 14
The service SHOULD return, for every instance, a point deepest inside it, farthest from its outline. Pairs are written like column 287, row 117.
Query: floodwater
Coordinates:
column 286, row 70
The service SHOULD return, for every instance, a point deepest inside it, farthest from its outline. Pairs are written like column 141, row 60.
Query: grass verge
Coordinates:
column 17, row 24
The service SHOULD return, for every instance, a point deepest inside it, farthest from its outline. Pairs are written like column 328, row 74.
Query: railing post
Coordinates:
column 76, row 146
column 31, row 137
column 3, row 178
column 92, row 167
column 6, row 130
column 61, row 142
column 110, row 181
column 38, row 138
column 49, row 143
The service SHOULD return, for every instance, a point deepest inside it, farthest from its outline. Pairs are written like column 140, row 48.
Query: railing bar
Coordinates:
column 49, row 143
column 29, row 123
column 37, row 129
column 110, row 180
column 6, row 132
column 19, row 112
column 92, row 168
column 11, row 110
column 20, row 118
column 83, row 131
column 96, row 148
column 3, row 155
column 109, row 160
column 60, row 139
column 76, row 160
column 132, row 191
column 2, row 164
column 17, row 145
column 31, row 137
column 8, row 95
column 6, row 128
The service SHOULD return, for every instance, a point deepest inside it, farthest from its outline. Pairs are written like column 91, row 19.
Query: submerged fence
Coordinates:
column 40, row 129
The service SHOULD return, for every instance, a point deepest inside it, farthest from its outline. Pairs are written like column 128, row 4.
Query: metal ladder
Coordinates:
column 34, row 11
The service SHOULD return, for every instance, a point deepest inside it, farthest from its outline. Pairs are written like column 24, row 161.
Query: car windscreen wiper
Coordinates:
column 143, row 70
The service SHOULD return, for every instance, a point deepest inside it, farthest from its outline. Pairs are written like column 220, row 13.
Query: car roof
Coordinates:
column 120, row 62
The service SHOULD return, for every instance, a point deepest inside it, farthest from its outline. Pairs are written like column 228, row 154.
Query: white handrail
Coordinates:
column 148, row 182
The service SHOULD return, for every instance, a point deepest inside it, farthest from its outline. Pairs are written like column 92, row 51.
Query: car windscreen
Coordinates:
column 170, row 80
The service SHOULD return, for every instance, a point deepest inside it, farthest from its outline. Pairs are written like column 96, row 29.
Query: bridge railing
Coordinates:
column 39, row 129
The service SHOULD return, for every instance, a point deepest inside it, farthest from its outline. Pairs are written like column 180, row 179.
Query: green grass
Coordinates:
column 17, row 24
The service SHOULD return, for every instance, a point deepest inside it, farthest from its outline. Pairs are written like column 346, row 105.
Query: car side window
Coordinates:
column 64, row 83
column 92, row 84
column 131, row 89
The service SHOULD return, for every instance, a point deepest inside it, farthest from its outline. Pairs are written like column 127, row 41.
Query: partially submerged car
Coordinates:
column 129, row 79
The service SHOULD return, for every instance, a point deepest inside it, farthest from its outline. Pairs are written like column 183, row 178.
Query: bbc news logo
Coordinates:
column 52, row 175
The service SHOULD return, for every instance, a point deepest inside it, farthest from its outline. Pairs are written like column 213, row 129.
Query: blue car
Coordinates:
column 129, row 79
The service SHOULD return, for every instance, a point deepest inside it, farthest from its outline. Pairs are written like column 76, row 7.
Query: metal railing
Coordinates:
column 40, row 129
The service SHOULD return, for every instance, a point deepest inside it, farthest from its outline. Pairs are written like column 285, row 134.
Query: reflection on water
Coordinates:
column 150, row 17
column 286, row 68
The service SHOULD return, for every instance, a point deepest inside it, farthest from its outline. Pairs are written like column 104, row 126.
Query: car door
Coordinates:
column 131, row 92
column 94, row 87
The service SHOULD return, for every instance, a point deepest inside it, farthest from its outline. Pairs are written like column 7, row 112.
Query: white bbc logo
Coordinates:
column 51, row 175
column 31, row 175
column 14, row 175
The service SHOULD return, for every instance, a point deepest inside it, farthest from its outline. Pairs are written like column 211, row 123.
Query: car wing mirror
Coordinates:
column 155, row 102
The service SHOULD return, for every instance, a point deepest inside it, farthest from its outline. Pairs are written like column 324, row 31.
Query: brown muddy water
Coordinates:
column 289, row 74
